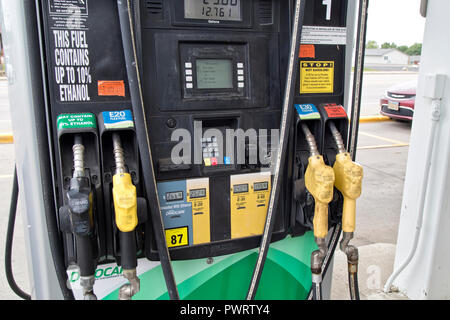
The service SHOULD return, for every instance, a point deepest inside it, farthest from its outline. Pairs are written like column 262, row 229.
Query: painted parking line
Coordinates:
column 4, row 177
column 394, row 143
column 383, row 146
column 382, row 138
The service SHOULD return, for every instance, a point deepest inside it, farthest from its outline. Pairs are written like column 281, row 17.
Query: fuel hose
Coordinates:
column 9, row 241
column 354, row 129
column 282, row 148
column 142, row 134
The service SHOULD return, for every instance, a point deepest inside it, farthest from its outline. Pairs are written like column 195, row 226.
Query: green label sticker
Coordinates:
column 76, row 121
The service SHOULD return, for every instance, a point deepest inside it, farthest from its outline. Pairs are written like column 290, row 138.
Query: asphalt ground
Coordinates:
column 382, row 151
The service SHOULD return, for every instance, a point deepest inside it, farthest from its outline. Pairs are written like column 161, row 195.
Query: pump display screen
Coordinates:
column 261, row 186
column 214, row 74
column 240, row 188
column 213, row 9
column 174, row 196
column 197, row 193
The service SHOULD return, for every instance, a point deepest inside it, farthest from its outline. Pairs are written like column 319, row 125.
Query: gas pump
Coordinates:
column 164, row 119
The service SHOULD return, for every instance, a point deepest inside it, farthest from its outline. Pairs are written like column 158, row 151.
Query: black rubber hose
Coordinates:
column 9, row 241
column 287, row 113
column 332, row 245
column 142, row 134
column 128, row 258
column 358, row 77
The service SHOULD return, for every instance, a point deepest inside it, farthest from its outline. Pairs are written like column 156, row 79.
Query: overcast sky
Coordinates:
column 396, row 21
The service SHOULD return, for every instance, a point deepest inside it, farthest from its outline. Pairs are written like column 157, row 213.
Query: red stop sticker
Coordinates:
column 335, row 111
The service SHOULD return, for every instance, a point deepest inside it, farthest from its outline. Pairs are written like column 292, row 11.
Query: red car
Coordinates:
column 398, row 102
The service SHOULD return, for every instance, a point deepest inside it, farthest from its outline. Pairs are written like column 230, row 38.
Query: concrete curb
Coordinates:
column 8, row 138
column 369, row 119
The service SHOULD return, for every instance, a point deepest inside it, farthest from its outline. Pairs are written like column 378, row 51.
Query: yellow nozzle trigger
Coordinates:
column 319, row 180
column 349, row 177
column 125, row 202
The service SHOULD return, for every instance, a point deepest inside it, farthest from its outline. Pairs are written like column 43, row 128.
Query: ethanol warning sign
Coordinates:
column 316, row 77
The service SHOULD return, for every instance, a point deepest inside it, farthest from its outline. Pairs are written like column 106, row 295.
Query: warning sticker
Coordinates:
column 335, row 111
column 111, row 88
column 307, row 51
column 316, row 77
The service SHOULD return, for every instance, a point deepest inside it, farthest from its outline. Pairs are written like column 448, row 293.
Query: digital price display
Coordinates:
column 213, row 9
column 214, row 74
column 197, row 193
column 240, row 188
column 261, row 186
column 174, row 196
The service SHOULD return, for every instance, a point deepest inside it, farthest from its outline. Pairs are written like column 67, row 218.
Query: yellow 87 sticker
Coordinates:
column 177, row 237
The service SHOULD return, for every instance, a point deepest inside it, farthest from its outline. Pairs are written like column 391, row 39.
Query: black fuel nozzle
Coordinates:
column 80, row 215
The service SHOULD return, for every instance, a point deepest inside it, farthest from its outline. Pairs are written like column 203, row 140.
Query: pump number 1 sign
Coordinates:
column 316, row 77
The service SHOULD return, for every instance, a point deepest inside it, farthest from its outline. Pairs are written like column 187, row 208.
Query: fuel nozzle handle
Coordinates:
column 80, row 208
column 126, row 217
column 349, row 177
column 319, row 180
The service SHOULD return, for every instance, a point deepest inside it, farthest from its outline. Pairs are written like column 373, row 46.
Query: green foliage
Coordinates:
column 403, row 48
column 414, row 50
column 371, row 44
column 388, row 45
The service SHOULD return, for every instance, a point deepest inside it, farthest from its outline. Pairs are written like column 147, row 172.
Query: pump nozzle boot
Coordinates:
column 319, row 180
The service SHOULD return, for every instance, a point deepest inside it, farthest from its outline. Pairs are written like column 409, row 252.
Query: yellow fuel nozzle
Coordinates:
column 125, row 202
column 319, row 180
column 349, row 177
column 125, row 207
column 124, row 192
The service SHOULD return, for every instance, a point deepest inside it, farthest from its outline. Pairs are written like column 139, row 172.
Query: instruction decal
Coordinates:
column 316, row 77
column 324, row 35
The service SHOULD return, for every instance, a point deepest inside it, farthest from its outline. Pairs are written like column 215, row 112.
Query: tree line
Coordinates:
column 414, row 50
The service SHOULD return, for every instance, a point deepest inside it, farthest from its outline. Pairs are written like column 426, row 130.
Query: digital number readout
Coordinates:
column 174, row 196
column 213, row 9
column 240, row 188
column 197, row 193
column 261, row 186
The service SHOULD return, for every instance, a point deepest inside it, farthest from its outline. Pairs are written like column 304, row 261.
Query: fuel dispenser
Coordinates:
column 164, row 123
